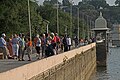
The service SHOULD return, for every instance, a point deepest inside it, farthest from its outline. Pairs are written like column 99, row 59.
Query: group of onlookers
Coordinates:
column 16, row 46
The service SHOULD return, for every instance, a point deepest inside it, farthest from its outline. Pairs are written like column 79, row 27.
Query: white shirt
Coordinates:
column 69, row 41
column 38, row 42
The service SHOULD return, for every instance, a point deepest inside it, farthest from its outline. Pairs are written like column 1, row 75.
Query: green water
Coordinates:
column 112, row 71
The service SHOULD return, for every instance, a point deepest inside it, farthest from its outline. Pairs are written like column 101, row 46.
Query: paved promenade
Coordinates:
column 9, row 64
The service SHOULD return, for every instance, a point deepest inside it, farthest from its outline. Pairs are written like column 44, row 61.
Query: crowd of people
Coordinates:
column 16, row 46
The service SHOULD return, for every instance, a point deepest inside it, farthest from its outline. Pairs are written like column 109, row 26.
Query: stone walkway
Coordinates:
column 9, row 64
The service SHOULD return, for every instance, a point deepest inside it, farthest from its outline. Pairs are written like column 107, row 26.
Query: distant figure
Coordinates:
column 49, row 47
column 76, row 41
column 90, row 40
column 61, row 43
column 57, row 42
column 53, row 42
column 37, row 42
column 21, row 47
column 69, row 43
column 65, row 43
column 29, row 48
column 9, row 46
column 93, row 40
column 3, row 47
column 43, row 45
column 15, row 45
column 86, row 42
column 81, row 42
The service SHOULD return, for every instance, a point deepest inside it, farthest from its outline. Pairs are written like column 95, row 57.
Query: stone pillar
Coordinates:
column 101, row 40
column 101, row 48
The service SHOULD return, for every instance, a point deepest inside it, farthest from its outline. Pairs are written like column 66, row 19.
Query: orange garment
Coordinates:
column 29, row 43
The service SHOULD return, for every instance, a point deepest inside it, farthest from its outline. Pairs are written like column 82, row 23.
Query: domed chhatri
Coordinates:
column 100, row 22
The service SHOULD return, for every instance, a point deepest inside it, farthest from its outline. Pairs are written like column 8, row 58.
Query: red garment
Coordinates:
column 35, row 40
column 54, row 40
column 57, row 39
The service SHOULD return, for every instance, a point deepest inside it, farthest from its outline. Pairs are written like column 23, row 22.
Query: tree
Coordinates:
column 48, row 12
column 86, row 6
column 117, row 2
column 66, row 3
column 54, row 1
column 51, row 2
column 98, row 3
column 14, row 16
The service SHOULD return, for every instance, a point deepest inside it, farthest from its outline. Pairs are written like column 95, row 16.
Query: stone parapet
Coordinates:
column 76, row 64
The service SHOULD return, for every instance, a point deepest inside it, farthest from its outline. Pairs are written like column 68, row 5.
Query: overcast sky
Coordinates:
column 111, row 2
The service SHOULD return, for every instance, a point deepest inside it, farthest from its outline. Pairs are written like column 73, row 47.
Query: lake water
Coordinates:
column 112, row 71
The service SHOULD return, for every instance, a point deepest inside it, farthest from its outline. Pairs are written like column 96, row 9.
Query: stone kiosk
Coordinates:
column 101, row 40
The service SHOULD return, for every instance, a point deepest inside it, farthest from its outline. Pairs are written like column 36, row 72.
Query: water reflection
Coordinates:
column 100, row 74
column 112, row 71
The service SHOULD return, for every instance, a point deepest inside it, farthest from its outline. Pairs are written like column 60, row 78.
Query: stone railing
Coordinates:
column 77, row 64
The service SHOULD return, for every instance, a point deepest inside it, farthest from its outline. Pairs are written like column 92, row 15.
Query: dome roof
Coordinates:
column 100, row 22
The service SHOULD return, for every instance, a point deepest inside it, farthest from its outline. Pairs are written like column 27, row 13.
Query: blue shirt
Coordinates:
column 15, row 41
column 2, row 42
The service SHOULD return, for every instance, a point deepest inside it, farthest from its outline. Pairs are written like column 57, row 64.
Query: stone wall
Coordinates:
column 79, row 67
column 76, row 64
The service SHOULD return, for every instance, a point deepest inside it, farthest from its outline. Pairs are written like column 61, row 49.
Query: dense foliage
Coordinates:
column 66, row 3
column 14, row 16
column 98, row 3
column 111, row 13
column 117, row 2
column 49, row 12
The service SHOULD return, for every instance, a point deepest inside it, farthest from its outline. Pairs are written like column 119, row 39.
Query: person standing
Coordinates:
column 3, row 47
column 21, row 47
column 69, row 42
column 53, row 42
column 43, row 45
column 76, row 41
column 10, row 47
column 61, row 44
column 57, row 42
column 49, row 47
column 15, row 44
column 37, row 42
column 29, row 48
column 65, row 43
